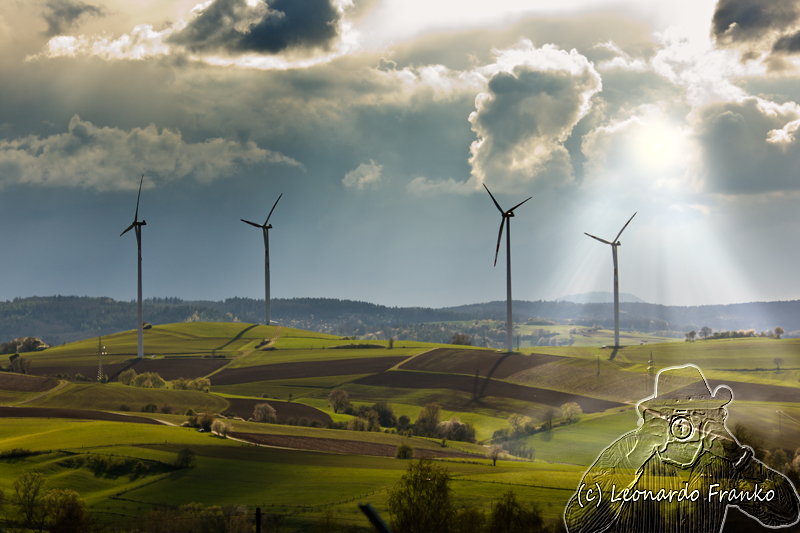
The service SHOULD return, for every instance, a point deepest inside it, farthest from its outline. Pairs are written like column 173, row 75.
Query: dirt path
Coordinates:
column 401, row 363
column 248, row 352
column 60, row 386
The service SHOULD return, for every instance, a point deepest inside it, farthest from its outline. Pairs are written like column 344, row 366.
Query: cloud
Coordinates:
column 738, row 21
column 422, row 186
column 534, row 99
column 367, row 174
column 107, row 158
column 749, row 147
column 62, row 15
column 270, row 26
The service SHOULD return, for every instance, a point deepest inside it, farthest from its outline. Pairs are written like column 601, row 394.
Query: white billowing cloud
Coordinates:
column 365, row 175
column 534, row 99
column 422, row 186
column 106, row 158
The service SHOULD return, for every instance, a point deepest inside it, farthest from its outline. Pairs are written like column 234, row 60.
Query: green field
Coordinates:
column 302, row 484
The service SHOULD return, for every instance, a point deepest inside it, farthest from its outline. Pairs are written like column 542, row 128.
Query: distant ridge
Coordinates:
column 600, row 297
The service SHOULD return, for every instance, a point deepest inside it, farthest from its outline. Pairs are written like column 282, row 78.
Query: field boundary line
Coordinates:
column 404, row 361
column 248, row 352
column 63, row 383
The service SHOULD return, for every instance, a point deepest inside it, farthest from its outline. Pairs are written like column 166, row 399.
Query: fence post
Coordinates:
column 258, row 519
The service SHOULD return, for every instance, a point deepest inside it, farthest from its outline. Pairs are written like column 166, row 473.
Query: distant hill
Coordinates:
column 597, row 297
column 58, row 319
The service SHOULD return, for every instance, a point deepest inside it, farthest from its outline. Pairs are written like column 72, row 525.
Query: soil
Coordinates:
column 344, row 446
column 24, row 383
column 42, row 412
column 485, row 362
column 484, row 387
column 174, row 368
column 308, row 369
column 243, row 408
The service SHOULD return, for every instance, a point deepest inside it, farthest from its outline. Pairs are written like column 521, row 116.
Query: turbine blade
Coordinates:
column 598, row 238
column 495, row 201
column 519, row 204
column 273, row 209
column 136, row 216
column 499, row 238
column 625, row 226
column 251, row 223
column 127, row 229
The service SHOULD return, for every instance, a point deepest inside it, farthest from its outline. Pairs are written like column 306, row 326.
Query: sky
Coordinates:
column 380, row 122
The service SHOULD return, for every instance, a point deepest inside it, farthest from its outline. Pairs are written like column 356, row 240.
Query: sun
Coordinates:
column 658, row 145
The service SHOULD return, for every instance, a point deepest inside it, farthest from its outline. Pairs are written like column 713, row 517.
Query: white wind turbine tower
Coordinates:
column 506, row 217
column 137, row 227
column 265, row 227
column 614, row 245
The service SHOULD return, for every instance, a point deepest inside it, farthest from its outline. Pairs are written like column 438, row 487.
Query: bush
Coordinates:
column 124, row 407
column 404, row 451
column 149, row 408
column 185, row 459
column 510, row 515
column 127, row 377
column 205, row 420
column 189, row 412
column 264, row 412
column 304, row 421
column 221, row 428
column 166, row 409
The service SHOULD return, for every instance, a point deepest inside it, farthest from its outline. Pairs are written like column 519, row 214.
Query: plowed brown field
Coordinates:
column 23, row 383
column 491, row 387
column 338, row 367
column 485, row 362
column 243, row 408
column 342, row 446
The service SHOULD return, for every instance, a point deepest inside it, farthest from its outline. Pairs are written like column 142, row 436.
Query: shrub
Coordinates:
column 166, row 409
column 124, row 407
column 510, row 515
column 264, row 412
column 185, row 459
column 221, row 428
column 149, row 408
column 205, row 420
column 127, row 377
column 189, row 412
column 421, row 499
column 404, row 451
column 304, row 421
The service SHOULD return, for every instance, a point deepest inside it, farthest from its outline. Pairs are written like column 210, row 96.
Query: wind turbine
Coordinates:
column 614, row 245
column 506, row 217
column 136, row 225
column 265, row 227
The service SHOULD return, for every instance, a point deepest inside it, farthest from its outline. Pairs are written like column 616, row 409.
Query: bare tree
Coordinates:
column 462, row 339
column 571, row 411
column 221, row 428
column 338, row 399
column 778, row 362
column 494, row 453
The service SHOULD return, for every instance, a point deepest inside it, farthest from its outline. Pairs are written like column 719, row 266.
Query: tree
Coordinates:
column 778, row 331
column 548, row 417
column 338, row 399
column 20, row 365
column 127, row 377
column 29, row 498
column 264, row 412
column 462, row 339
column 705, row 332
column 420, row 502
column 186, row 458
column 221, row 428
column 509, row 515
column 691, row 335
column 778, row 362
column 494, row 453
column 404, row 451
column 66, row 511
column 428, row 420
column 571, row 412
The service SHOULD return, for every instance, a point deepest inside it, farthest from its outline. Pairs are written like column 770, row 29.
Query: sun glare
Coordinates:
column 658, row 145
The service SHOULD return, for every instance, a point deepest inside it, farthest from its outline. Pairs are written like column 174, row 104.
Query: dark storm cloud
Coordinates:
column 746, row 20
column 268, row 27
column 788, row 44
column 738, row 154
column 62, row 15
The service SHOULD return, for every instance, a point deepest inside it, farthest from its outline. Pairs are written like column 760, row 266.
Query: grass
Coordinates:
column 110, row 396
column 587, row 337
column 307, row 355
